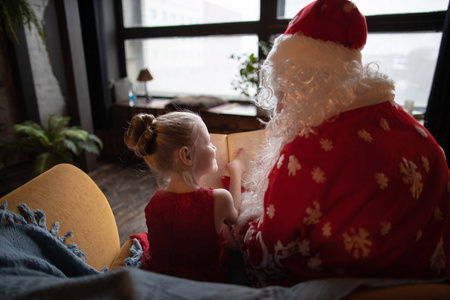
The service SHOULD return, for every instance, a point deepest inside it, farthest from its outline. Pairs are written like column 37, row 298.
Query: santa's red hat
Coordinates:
column 325, row 31
column 337, row 21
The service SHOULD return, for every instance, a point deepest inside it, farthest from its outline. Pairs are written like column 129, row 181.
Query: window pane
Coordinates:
column 189, row 66
column 146, row 13
column 367, row 7
column 407, row 58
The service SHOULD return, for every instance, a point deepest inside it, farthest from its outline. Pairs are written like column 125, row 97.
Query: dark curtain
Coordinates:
column 91, row 19
column 437, row 116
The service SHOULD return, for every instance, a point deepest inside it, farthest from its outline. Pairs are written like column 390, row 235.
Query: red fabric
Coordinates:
column 226, row 183
column 142, row 239
column 337, row 21
column 368, row 195
column 182, row 240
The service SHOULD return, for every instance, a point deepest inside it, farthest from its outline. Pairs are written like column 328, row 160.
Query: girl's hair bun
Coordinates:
column 141, row 135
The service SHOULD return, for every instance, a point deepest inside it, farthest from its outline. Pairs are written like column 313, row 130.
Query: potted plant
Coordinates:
column 249, row 68
column 52, row 143
column 17, row 13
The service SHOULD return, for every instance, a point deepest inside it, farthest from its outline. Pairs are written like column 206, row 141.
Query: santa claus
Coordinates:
column 349, row 183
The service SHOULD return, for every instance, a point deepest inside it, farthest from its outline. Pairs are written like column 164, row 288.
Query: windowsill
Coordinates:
column 159, row 95
column 235, row 109
column 227, row 118
column 232, row 108
column 239, row 108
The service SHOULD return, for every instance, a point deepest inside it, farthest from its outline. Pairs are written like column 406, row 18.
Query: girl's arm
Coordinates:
column 227, row 203
column 224, row 210
column 236, row 168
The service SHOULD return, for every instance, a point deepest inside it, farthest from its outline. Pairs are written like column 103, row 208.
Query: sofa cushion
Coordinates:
column 119, row 260
column 69, row 196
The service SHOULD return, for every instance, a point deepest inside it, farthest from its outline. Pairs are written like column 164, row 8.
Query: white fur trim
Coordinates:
column 297, row 48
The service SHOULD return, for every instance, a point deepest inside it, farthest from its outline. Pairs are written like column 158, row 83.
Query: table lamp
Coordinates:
column 144, row 76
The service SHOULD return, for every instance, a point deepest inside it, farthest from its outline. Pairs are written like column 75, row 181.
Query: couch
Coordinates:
column 67, row 195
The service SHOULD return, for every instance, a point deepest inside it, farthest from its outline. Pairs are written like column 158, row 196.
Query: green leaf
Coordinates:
column 75, row 133
column 71, row 146
column 65, row 157
column 253, row 59
column 17, row 14
column 34, row 125
column 28, row 145
column 89, row 147
column 28, row 128
column 96, row 139
column 43, row 162
column 33, row 132
column 55, row 125
column 55, row 143
column 249, row 66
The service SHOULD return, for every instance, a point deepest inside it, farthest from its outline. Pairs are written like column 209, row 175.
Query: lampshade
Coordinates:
column 144, row 75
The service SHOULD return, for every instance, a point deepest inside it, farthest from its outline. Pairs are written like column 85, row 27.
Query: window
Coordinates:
column 371, row 8
column 189, row 65
column 409, row 58
column 187, row 45
column 137, row 13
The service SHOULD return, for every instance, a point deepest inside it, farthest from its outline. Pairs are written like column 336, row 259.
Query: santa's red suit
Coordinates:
column 357, row 187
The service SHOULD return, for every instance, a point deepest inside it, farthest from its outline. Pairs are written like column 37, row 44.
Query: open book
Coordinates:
column 228, row 146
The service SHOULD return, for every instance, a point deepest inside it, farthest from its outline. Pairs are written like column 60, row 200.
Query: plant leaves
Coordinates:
column 71, row 146
column 65, row 157
column 55, row 125
column 53, row 144
column 17, row 14
column 96, row 139
column 33, row 132
column 43, row 162
column 89, row 147
column 75, row 133
column 249, row 65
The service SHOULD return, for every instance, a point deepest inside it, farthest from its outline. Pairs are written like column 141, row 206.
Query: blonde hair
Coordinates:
column 158, row 139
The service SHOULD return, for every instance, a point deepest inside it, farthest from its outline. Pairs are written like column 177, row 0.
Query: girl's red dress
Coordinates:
column 181, row 239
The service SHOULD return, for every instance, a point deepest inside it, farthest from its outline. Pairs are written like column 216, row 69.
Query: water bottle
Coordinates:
column 132, row 95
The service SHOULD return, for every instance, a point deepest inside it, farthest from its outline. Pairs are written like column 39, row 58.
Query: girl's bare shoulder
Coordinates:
column 222, row 194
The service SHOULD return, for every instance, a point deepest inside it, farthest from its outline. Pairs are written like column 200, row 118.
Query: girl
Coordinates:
column 184, row 220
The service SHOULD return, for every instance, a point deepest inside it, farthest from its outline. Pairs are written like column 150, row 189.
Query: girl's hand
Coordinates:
column 236, row 168
column 237, row 165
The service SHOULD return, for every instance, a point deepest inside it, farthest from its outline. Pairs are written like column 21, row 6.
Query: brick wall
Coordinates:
column 48, row 91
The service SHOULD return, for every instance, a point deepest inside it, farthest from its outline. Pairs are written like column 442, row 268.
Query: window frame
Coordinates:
column 267, row 26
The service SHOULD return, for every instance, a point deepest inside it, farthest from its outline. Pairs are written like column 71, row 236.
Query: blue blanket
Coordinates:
column 37, row 264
